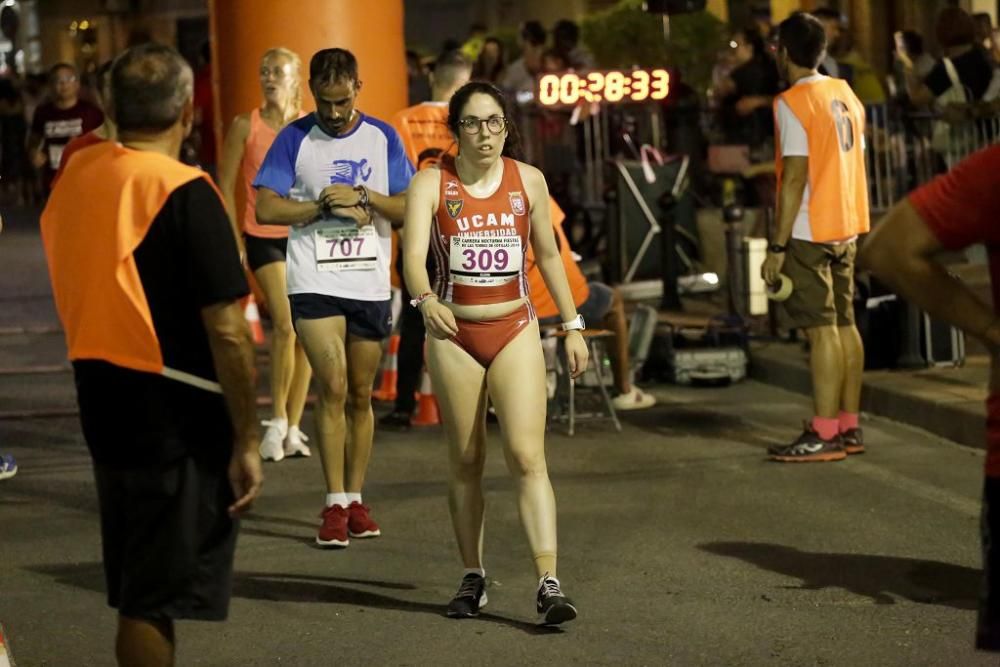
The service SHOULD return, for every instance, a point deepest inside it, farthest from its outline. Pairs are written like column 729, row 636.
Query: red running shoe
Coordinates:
column 333, row 531
column 359, row 523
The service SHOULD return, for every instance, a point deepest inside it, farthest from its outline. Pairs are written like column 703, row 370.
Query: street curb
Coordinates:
column 963, row 422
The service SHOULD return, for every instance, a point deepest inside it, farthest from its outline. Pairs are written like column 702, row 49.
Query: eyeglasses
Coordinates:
column 473, row 126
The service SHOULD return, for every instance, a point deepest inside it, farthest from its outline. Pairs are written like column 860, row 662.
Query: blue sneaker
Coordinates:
column 8, row 466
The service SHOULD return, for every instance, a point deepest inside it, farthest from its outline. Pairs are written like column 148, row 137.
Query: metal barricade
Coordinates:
column 901, row 153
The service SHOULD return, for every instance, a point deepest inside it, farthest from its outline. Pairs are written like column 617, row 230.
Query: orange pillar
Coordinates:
column 242, row 30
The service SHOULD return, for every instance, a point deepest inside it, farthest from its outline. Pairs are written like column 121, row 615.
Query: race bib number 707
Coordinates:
column 346, row 248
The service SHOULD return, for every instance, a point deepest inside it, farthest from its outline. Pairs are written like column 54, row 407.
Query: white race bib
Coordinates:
column 346, row 248
column 485, row 261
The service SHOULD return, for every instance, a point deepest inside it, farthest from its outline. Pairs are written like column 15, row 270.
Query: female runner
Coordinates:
column 477, row 213
column 246, row 144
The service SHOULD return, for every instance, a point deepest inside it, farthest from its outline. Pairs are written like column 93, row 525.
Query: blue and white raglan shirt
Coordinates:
column 333, row 256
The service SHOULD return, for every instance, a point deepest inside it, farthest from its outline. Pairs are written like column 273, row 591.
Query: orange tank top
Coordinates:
column 478, row 244
column 834, row 121
column 96, row 284
column 259, row 139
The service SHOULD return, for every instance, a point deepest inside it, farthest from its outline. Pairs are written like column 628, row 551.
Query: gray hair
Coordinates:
column 150, row 84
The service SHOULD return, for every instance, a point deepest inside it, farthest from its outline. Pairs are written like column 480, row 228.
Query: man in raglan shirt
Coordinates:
column 337, row 177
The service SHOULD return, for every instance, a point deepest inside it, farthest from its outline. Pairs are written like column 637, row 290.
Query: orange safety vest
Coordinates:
column 91, row 227
column 544, row 304
column 425, row 133
column 426, row 138
column 834, row 121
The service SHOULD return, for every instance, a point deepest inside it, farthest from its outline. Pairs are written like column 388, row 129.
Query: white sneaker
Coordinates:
column 635, row 399
column 270, row 444
column 295, row 443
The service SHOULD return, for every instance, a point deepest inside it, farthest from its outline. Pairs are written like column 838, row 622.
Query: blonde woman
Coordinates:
column 250, row 136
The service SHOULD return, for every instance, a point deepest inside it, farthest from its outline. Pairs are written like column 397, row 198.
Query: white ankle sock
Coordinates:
column 282, row 425
column 474, row 570
column 353, row 498
column 336, row 499
column 294, row 433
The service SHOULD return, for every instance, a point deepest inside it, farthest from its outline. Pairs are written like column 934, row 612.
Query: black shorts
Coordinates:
column 371, row 320
column 168, row 541
column 261, row 251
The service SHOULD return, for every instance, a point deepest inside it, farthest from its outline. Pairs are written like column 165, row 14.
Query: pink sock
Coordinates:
column 826, row 427
column 847, row 421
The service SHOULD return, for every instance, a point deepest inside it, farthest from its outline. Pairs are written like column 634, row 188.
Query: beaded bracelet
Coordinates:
column 423, row 297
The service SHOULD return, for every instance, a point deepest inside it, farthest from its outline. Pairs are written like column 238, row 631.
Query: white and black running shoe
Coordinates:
column 552, row 606
column 471, row 597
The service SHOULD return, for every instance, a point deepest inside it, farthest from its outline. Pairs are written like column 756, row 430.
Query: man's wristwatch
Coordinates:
column 575, row 324
column 777, row 248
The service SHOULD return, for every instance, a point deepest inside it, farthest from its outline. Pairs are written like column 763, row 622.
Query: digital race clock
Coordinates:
column 569, row 88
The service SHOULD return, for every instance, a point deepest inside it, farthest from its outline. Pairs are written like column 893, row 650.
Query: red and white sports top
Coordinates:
column 479, row 244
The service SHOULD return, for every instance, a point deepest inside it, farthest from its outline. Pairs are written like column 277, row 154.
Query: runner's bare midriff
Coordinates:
column 489, row 311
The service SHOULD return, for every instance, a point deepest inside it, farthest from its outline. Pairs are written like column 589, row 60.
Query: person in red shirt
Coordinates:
column 106, row 130
column 58, row 121
column 954, row 211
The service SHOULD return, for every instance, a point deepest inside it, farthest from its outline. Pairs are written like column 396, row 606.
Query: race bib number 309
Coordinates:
column 485, row 261
column 346, row 248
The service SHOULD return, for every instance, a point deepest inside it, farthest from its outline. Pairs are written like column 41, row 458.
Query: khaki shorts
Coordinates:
column 823, row 276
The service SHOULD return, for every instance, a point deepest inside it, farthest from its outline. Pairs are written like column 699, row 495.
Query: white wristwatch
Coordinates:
column 574, row 324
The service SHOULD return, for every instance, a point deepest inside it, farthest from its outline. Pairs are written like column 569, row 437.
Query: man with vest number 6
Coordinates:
column 147, row 279
column 822, row 207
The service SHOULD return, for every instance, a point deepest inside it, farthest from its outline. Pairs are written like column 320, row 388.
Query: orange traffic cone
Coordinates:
column 427, row 406
column 253, row 319
column 390, row 372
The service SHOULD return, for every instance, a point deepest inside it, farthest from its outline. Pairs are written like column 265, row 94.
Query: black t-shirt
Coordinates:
column 187, row 260
column 974, row 72
column 755, row 77
column 58, row 126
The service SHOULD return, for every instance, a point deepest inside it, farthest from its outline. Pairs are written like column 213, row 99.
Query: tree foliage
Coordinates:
column 625, row 36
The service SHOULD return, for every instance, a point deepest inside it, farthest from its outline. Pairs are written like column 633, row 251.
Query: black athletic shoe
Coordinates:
column 808, row 447
column 471, row 597
column 396, row 420
column 552, row 606
column 854, row 441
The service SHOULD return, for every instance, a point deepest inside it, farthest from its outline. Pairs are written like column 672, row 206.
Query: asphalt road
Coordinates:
column 679, row 542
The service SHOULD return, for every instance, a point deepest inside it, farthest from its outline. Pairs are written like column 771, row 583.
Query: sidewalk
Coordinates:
column 948, row 402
